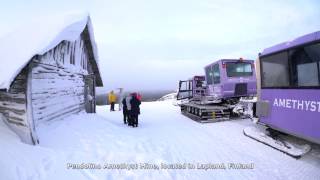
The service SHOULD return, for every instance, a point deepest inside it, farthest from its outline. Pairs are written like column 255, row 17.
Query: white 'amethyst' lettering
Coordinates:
column 297, row 104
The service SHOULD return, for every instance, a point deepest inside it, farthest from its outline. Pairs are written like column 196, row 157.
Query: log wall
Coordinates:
column 58, row 81
column 13, row 105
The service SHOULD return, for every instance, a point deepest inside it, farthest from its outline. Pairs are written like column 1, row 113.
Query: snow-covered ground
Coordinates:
column 164, row 136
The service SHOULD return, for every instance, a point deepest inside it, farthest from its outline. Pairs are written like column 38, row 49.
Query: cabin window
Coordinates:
column 216, row 74
column 238, row 69
column 275, row 71
column 199, row 83
column 209, row 75
column 305, row 65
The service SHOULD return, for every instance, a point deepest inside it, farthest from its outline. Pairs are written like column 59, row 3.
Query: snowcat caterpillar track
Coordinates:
column 205, row 114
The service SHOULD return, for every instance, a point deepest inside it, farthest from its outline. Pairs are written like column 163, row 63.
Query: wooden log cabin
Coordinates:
column 50, row 77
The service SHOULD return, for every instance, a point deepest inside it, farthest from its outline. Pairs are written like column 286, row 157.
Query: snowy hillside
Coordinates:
column 164, row 139
column 170, row 96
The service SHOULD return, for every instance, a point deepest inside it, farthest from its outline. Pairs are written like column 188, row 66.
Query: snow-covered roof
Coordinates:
column 38, row 37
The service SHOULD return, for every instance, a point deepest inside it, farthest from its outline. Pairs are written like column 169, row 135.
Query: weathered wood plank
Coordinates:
column 57, row 81
column 13, row 107
column 46, row 111
column 59, row 114
column 15, row 91
column 61, row 87
column 13, row 110
column 60, row 94
column 51, row 91
column 13, row 95
column 19, row 123
column 17, row 119
column 54, row 75
column 9, row 97
column 59, row 73
column 57, row 102
column 40, row 74
column 13, row 99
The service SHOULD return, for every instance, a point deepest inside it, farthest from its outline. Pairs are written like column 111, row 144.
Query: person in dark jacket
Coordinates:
column 124, row 111
column 135, row 109
column 128, row 107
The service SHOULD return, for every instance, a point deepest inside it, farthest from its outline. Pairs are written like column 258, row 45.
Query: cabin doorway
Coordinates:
column 89, row 94
column 185, row 90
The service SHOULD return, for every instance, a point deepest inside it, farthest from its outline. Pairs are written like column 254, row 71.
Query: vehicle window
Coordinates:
column 275, row 71
column 305, row 65
column 238, row 69
column 199, row 83
column 216, row 74
column 209, row 75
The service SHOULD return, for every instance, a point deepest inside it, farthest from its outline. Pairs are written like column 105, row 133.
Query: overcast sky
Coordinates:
column 148, row 44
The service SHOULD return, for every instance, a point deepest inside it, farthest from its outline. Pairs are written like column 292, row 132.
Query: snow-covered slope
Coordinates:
column 37, row 37
column 164, row 136
column 22, row 161
column 171, row 96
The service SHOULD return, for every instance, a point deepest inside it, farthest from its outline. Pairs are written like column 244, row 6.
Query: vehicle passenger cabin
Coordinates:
column 290, row 87
column 194, row 88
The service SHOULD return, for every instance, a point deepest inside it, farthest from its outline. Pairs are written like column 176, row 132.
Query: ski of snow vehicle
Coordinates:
column 289, row 99
column 277, row 141
column 225, row 92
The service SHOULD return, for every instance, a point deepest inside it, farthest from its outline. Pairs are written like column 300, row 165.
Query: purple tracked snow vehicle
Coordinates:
column 290, row 90
column 230, row 79
column 213, row 97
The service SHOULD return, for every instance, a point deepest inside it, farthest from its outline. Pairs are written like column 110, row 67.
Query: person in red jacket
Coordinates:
column 139, row 97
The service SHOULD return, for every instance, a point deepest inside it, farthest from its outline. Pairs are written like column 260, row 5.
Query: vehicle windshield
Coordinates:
column 238, row 69
column 209, row 75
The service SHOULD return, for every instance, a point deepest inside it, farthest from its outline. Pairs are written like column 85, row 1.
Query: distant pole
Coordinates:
column 120, row 98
